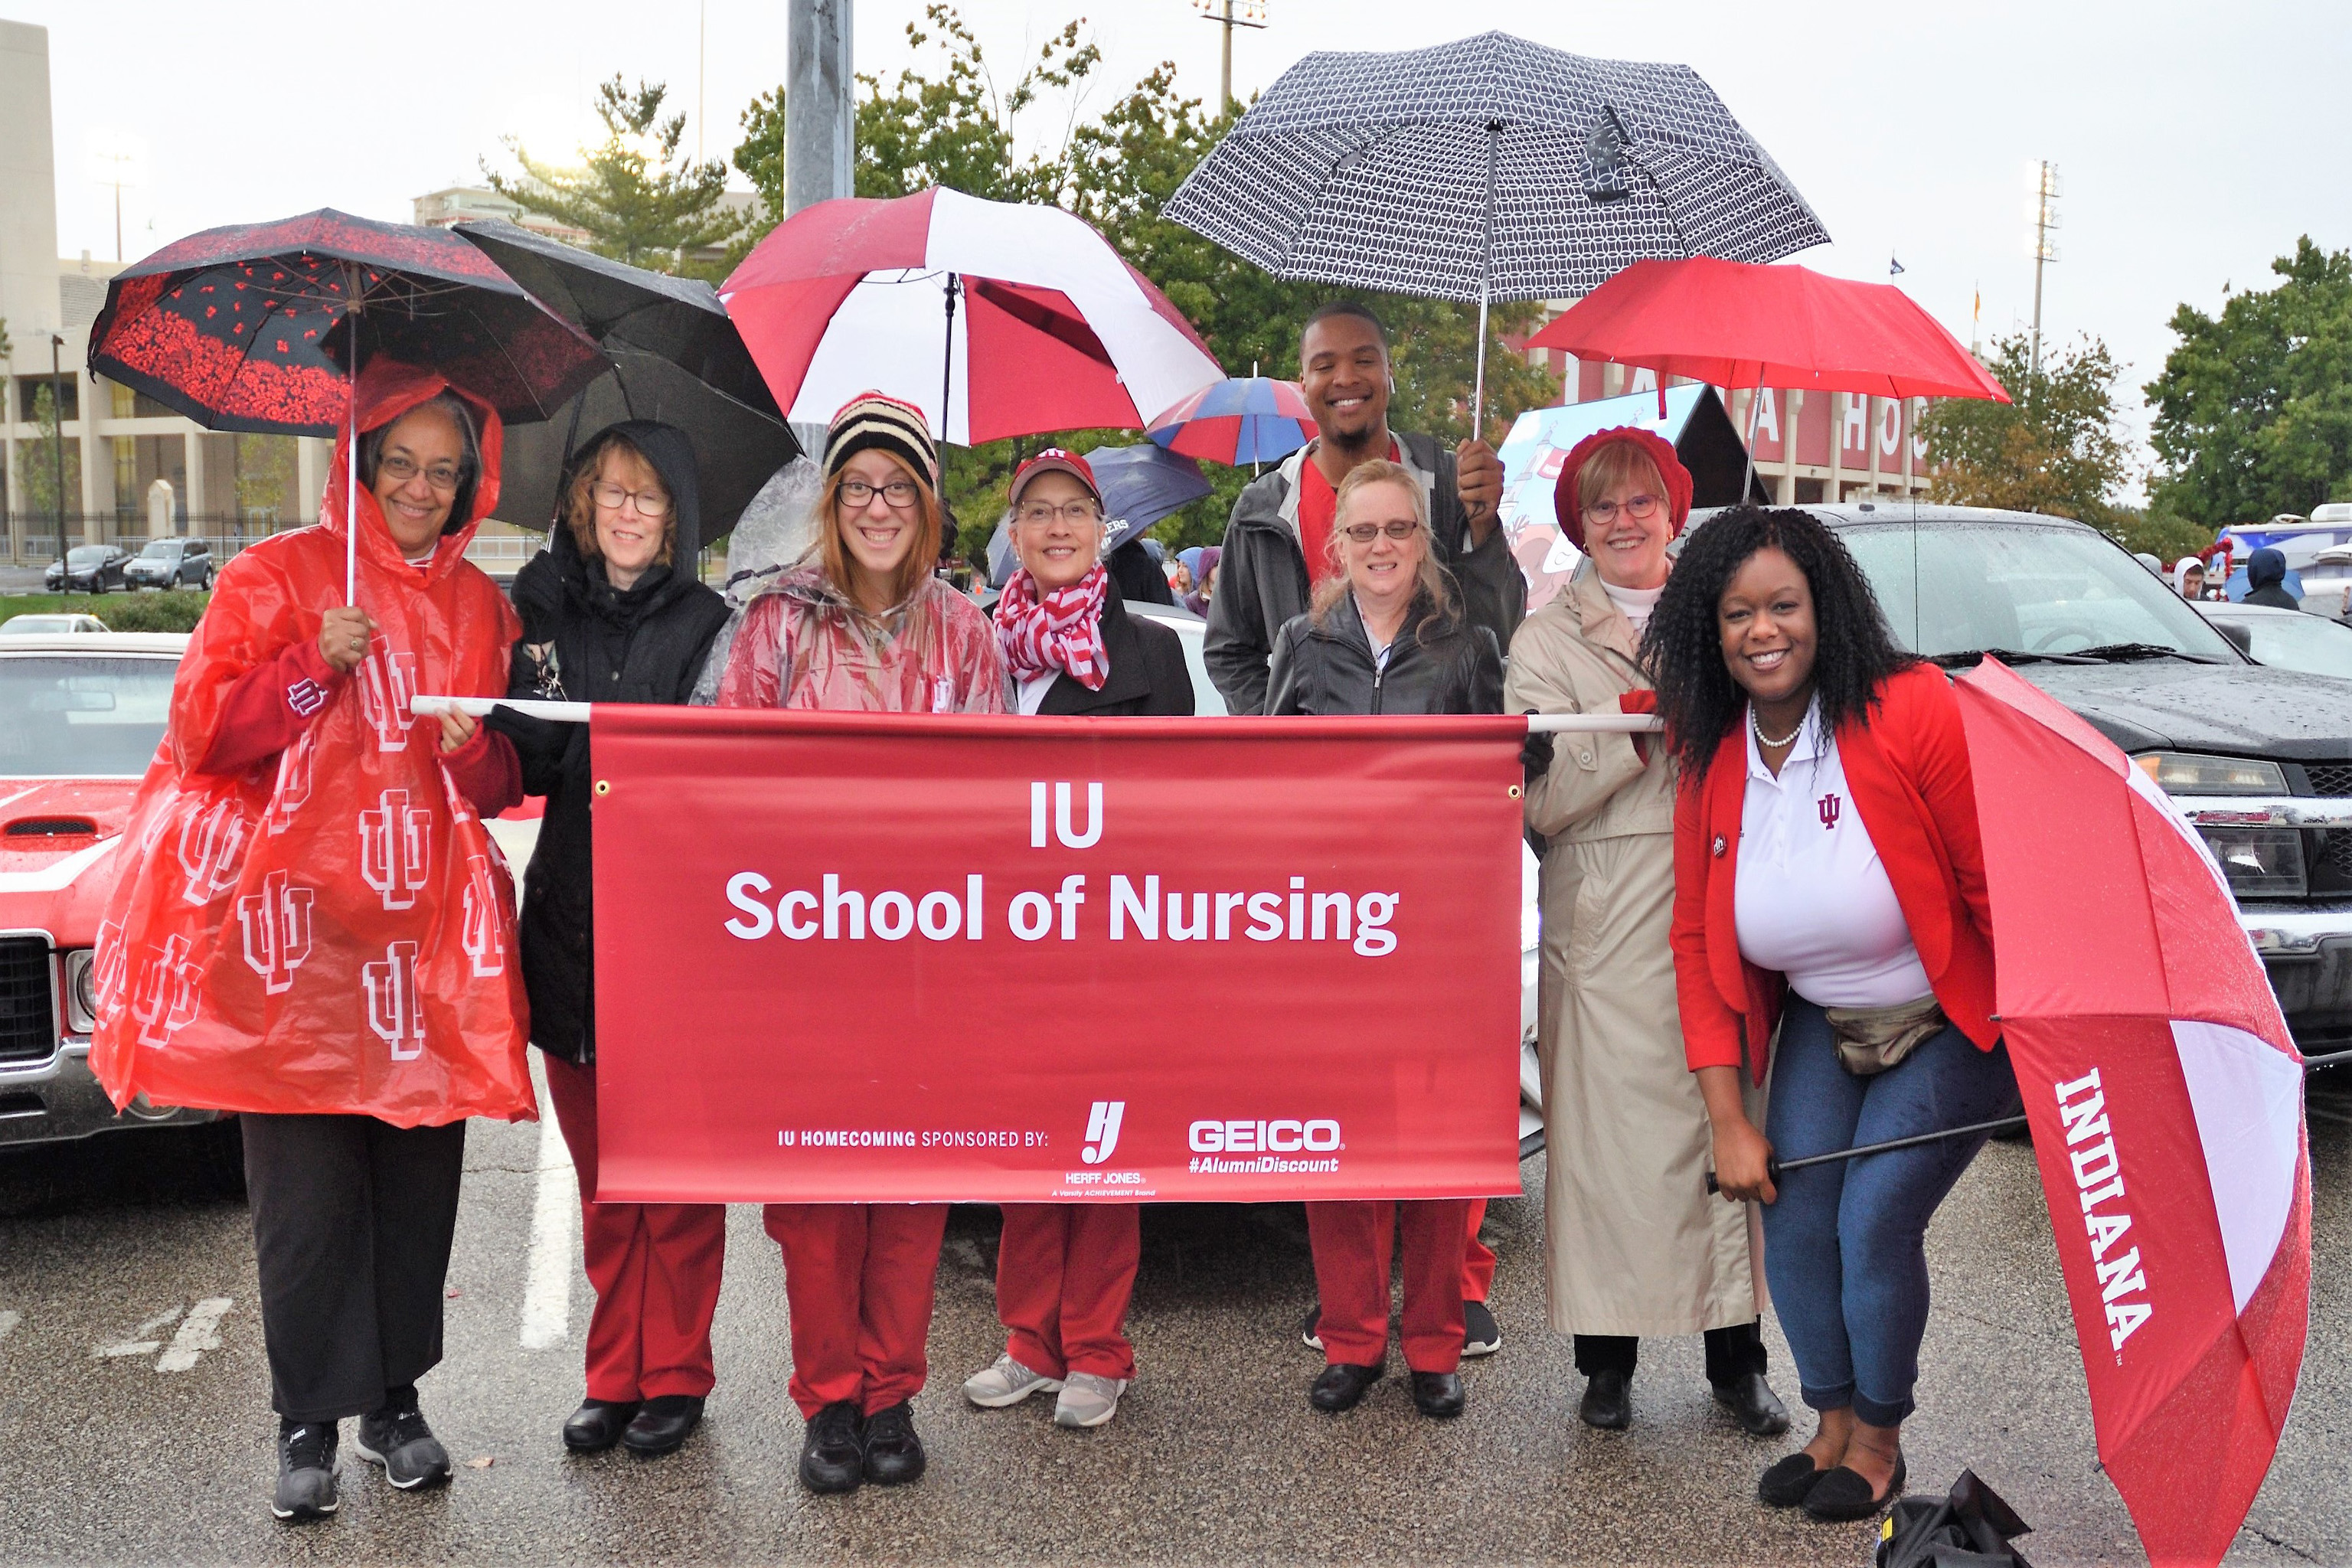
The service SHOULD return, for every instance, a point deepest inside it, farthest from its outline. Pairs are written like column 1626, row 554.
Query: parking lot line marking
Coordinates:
column 554, row 1239
column 199, row 1332
column 136, row 1342
column 8, row 1320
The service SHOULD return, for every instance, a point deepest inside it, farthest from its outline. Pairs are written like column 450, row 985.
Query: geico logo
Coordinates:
column 1284, row 1137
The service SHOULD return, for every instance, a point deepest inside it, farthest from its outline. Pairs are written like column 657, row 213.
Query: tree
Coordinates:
column 39, row 460
column 7, row 349
column 639, row 200
column 2057, row 448
column 264, row 466
column 2253, row 411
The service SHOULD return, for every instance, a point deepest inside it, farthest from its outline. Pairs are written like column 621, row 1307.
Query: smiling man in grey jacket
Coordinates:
column 1282, row 521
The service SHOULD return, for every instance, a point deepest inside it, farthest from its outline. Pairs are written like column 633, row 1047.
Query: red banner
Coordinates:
column 890, row 958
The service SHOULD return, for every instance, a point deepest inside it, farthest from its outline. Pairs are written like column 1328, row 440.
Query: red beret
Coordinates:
column 1655, row 446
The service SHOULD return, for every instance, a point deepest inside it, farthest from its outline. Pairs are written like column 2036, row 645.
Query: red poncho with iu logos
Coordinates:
column 330, row 929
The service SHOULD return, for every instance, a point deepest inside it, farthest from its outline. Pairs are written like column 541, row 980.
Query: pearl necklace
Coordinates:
column 1767, row 741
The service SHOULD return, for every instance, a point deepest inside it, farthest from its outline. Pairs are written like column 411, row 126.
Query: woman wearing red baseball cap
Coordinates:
column 1633, row 1244
column 1065, row 1271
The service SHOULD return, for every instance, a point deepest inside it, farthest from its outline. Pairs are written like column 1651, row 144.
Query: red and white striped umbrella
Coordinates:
column 995, row 319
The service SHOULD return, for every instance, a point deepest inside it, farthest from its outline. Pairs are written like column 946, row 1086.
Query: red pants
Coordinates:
column 656, row 1267
column 1352, row 1245
column 1478, row 1258
column 857, row 1284
column 1065, row 1273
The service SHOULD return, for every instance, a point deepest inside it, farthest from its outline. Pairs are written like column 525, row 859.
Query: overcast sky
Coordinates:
column 2194, row 140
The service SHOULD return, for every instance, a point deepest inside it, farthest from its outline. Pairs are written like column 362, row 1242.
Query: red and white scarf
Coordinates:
column 1061, row 632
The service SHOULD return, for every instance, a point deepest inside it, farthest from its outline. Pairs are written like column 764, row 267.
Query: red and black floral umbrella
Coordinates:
column 246, row 328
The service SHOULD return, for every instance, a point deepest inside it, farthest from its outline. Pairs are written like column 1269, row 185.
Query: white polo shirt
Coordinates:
column 1813, row 899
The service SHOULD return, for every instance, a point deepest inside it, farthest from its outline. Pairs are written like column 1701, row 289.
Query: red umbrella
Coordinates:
column 2166, row 1099
column 1735, row 323
column 995, row 319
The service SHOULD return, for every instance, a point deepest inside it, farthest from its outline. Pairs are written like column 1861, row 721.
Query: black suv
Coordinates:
column 2259, row 759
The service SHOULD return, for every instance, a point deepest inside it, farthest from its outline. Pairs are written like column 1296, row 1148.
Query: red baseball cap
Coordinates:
column 1054, row 460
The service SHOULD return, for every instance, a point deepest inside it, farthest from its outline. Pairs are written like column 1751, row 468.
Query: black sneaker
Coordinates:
column 894, row 1455
column 405, row 1446
column 1310, row 1328
column 306, row 1471
column 1480, row 1334
column 832, row 1460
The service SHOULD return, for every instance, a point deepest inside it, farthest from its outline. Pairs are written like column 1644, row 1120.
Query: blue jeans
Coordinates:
column 1844, row 1242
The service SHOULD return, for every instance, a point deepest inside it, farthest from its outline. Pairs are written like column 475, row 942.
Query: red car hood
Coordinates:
column 57, row 839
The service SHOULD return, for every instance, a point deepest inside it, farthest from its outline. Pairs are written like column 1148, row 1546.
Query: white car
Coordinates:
column 49, row 626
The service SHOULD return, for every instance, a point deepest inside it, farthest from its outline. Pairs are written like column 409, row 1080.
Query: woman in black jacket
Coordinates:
column 612, row 612
column 1065, row 1272
column 1386, row 635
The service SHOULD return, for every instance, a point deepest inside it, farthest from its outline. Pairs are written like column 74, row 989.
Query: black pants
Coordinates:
column 353, row 1218
column 1731, row 1353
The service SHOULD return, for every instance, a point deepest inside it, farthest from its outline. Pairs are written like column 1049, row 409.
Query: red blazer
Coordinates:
column 1908, row 770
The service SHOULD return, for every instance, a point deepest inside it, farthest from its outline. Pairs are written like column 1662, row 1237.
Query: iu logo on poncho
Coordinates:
column 395, row 1012
column 275, row 922
column 396, row 848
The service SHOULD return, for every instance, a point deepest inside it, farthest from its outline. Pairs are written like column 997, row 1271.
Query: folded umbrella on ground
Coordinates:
column 1970, row 1527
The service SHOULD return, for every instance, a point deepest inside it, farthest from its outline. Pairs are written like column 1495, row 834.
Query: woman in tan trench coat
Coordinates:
column 1633, row 1243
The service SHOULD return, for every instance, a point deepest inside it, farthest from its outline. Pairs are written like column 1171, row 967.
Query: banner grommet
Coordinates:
column 604, row 786
column 1515, row 792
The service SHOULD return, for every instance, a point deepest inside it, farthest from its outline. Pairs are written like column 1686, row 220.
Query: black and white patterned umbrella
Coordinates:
column 1489, row 169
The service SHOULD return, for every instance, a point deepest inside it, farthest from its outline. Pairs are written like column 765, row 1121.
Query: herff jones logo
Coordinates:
column 1102, row 1129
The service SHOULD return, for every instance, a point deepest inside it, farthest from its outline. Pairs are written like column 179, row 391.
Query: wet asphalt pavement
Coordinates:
column 162, row 1449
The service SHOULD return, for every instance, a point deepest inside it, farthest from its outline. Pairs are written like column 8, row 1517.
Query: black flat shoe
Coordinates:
column 1480, row 1336
column 1841, row 1496
column 1310, row 1328
column 662, row 1425
column 831, row 1457
column 1790, row 1481
column 1754, row 1406
column 597, row 1424
column 894, row 1455
column 1608, row 1403
column 1437, row 1394
column 1342, row 1386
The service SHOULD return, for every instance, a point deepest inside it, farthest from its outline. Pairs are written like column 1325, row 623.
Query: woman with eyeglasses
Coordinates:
column 612, row 612
column 1633, row 1245
column 1385, row 634
column 1065, row 1272
column 863, row 624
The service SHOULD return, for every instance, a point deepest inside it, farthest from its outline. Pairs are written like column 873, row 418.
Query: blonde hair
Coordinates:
column 1432, row 585
column 922, row 558
column 1616, row 463
column 580, row 506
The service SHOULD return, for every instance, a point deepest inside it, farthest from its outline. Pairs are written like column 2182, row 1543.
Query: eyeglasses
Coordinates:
column 1641, row 508
column 613, row 497
column 898, row 494
column 1037, row 513
column 1396, row 527
column 400, row 469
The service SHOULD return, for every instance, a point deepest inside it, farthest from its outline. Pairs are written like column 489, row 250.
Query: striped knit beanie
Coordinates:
column 872, row 420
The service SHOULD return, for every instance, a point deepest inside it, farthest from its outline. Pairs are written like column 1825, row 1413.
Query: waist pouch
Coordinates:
column 1871, row 1039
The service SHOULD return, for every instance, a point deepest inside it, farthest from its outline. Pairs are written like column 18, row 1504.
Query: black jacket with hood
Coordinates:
column 1438, row 665
column 1262, row 580
column 583, row 642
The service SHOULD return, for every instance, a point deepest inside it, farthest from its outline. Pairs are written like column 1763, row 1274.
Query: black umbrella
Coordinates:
column 676, row 357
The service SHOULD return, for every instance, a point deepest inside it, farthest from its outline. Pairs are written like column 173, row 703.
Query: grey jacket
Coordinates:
column 1262, row 580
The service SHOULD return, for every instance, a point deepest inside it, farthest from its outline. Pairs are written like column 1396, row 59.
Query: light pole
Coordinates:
column 1229, row 15
column 116, row 159
column 820, row 122
column 2045, row 249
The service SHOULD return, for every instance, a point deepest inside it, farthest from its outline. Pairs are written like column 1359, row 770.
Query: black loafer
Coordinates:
column 1437, row 1394
column 597, row 1424
column 1342, row 1386
column 1754, row 1406
column 662, row 1425
column 831, row 1457
column 894, row 1455
column 1608, row 1403
column 1790, row 1481
column 1841, row 1496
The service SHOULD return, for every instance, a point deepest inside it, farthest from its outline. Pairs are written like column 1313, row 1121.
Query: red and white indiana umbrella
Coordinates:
column 2166, row 1099
column 995, row 319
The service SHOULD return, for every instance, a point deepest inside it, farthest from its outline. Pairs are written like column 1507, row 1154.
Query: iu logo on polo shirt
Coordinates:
column 396, row 848
column 484, row 939
column 395, row 1012
column 212, row 847
column 164, row 1001
column 387, row 686
column 1829, row 804
column 277, row 926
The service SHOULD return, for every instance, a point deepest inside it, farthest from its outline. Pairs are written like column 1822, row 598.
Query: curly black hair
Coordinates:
column 1855, row 651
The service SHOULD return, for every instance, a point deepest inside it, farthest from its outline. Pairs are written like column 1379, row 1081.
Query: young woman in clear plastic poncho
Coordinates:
column 864, row 625
column 314, row 929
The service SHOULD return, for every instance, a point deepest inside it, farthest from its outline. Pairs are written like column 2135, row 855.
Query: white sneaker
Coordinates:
column 1087, row 1400
column 1006, row 1382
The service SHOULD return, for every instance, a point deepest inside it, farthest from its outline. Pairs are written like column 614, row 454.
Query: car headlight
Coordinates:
column 81, row 991
column 2186, row 773
column 2259, row 861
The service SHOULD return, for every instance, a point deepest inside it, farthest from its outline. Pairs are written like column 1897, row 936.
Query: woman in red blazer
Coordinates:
column 1826, row 861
